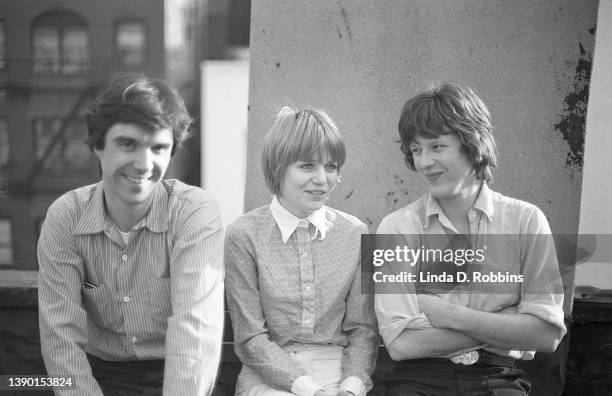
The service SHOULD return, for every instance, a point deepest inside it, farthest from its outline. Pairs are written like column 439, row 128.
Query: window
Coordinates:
column 130, row 43
column 69, row 151
column 2, row 46
column 6, row 243
column 4, row 143
column 60, row 44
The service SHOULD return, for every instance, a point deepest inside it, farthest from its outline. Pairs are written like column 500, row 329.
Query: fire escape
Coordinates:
column 78, row 86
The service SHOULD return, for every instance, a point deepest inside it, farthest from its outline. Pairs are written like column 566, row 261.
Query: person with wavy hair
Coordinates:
column 131, row 276
column 463, row 332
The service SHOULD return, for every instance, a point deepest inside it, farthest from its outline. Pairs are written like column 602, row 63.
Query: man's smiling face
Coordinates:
column 133, row 161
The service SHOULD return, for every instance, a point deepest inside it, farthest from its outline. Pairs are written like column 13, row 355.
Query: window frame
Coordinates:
column 3, row 47
column 76, row 124
column 61, row 21
column 145, row 53
column 4, row 120
column 11, row 245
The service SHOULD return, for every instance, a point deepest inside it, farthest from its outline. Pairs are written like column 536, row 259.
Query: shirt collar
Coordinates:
column 287, row 222
column 95, row 216
column 432, row 208
column 92, row 221
column 156, row 218
column 484, row 203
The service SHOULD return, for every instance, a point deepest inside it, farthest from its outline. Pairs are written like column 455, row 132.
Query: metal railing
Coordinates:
column 54, row 73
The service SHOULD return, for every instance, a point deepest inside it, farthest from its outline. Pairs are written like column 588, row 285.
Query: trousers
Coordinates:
column 138, row 378
column 441, row 377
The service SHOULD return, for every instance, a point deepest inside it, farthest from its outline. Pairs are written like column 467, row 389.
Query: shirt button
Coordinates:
column 124, row 257
column 307, row 288
column 305, row 254
column 134, row 339
column 126, row 299
column 307, row 321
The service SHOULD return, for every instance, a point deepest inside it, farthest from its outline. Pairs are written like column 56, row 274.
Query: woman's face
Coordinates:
column 307, row 185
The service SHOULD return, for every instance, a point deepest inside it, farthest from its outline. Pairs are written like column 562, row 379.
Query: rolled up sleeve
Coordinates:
column 542, row 289
column 397, row 310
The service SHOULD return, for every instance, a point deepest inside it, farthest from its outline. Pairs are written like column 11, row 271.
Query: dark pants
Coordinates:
column 441, row 377
column 142, row 378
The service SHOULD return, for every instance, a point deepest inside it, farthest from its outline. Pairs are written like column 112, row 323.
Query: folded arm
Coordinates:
column 499, row 330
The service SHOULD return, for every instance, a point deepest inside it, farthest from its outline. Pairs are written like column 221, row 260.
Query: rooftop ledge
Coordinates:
column 18, row 288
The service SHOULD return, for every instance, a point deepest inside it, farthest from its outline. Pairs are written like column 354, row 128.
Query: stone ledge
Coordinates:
column 18, row 289
column 587, row 311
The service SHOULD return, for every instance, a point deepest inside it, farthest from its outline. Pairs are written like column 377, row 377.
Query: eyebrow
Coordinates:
column 121, row 139
column 425, row 140
column 124, row 139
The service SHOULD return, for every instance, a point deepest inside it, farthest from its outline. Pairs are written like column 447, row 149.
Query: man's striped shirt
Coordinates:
column 160, row 296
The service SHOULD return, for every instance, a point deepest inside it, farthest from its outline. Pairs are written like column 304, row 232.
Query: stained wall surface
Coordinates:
column 361, row 60
column 595, row 275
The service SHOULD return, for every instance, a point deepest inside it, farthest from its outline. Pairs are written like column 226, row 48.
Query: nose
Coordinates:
column 319, row 175
column 144, row 161
column 425, row 159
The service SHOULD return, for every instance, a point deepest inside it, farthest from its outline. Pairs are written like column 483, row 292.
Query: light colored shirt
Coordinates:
column 306, row 290
column 159, row 296
column 516, row 239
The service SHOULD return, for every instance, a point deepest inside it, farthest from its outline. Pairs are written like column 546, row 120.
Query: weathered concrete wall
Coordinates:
column 596, row 200
column 361, row 60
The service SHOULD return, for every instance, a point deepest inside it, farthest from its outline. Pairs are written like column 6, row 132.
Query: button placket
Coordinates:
column 126, row 295
column 307, row 280
column 476, row 220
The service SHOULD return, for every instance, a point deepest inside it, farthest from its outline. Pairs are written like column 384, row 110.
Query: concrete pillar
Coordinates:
column 360, row 60
column 596, row 204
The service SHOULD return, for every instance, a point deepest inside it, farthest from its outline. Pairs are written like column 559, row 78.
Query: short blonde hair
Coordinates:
column 299, row 135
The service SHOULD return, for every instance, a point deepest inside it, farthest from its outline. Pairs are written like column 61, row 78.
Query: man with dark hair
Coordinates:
column 131, row 276
column 462, row 333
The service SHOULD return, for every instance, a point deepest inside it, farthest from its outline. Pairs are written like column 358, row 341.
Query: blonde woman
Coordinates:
column 301, row 323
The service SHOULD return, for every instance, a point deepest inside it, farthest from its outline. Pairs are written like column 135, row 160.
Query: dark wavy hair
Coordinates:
column 149, row 103
column 451, row 108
